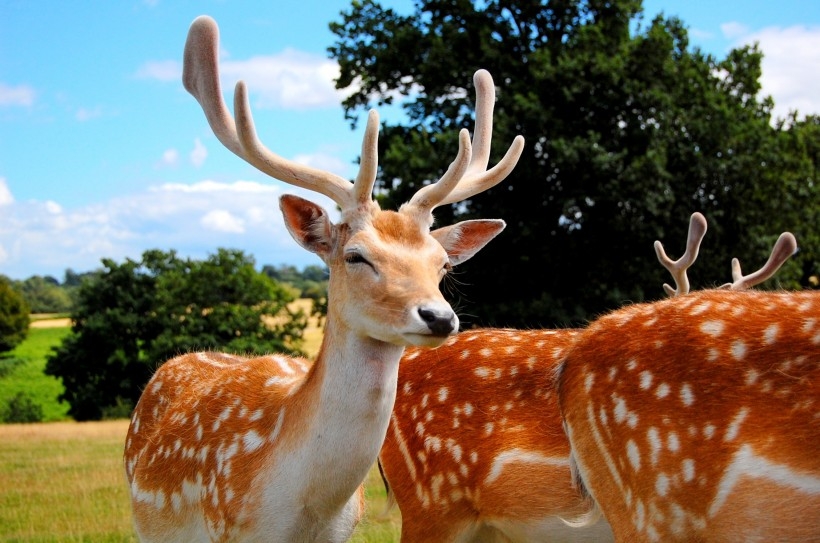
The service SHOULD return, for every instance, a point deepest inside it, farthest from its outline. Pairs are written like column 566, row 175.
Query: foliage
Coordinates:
column 45, row 295
column 629, row 130
column 14, row 316
column 21, row 408
column 133, row 316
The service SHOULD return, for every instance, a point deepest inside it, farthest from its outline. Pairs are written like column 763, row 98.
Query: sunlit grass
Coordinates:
column 64, row 482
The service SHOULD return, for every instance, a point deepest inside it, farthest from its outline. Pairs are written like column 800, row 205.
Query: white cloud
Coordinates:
column 791, row 56
column 288, row 80
column 6, row 197
column 220, row 220
column 85, row 114
column 170, row 157
column 733, row 30
column 161, row 70
column 43, row 238
column 199, row 153
column 20, row 95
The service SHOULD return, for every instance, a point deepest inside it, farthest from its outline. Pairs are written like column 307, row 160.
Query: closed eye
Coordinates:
column 356, row 258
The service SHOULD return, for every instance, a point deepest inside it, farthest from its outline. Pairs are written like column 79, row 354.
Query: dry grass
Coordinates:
column 64, row 482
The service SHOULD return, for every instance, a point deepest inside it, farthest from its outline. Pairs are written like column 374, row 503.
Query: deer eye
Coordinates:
column 356, row 258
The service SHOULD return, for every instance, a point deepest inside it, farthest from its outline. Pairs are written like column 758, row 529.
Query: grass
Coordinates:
column 26, row 364
column 64, row 481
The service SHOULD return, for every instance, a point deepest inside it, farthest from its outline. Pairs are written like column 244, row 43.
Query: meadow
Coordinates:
column 64, row 482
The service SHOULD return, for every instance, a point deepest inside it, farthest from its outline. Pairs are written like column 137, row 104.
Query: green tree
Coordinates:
column 14, row 316
column 133, row 316
column 45, row 295
column 629, row 130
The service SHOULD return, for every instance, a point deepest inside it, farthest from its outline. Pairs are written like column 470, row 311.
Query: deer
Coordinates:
column 476, row 450
column 229, row 448
column 697, row 417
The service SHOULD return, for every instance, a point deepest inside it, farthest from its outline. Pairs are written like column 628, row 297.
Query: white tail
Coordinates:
column 222, row 447
column 697, row 418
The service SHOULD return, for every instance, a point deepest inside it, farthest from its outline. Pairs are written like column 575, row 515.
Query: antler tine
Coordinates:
column 697, row 229
column 475, row 178
column 784, row 247
column 201, row 78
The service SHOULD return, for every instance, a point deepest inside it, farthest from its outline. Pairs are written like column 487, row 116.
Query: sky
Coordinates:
column 103, row 154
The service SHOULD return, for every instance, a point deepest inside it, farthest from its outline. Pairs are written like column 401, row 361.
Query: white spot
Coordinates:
column 686, row 395
column 252, row 441
column 672, row 442
column 808, row 325
column 468, row 409
column 688, row 467
column 633, row 454
column 770, row 334
column 709, row 431
column 700, row 308
column 486, row 353
column 712, row 328
column 488, row 428
column 482, row 372
column 646, row 379
column 442, row 394
column 734, row 427
column 662, row 391
column 590, row 378
column 632, row 364
column 654, row 438
column 662, row 485
column 739, row 350
column 620, row 410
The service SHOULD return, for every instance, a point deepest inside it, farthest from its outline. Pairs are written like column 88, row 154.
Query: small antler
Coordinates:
column 200, row 76
column 468, row 174
column 697, row 229
column 784, row 247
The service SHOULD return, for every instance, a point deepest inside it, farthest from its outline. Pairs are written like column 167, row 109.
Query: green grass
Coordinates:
column 26, row 373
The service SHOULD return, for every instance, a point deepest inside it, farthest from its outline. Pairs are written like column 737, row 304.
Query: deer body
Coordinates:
column 698, row 418
column 272, row 448
column 475, row 450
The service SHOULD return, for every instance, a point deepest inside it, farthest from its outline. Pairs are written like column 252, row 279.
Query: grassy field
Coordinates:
column 64, row 481
column 25, row 374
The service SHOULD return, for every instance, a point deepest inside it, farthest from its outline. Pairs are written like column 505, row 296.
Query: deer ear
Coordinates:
column 308, row 223
column 463, row 240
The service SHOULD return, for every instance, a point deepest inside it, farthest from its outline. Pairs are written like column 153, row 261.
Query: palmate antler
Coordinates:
column 465, row 177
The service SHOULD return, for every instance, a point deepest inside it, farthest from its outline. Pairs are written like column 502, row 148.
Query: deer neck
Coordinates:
column 349, row 395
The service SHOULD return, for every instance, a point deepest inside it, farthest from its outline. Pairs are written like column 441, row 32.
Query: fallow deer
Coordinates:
column 697, row 418
column 273, row 448
column 476, row 451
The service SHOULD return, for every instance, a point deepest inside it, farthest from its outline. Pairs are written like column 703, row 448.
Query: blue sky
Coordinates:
column 104, row 154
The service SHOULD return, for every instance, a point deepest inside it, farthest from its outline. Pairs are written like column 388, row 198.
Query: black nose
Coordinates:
column 441, row 323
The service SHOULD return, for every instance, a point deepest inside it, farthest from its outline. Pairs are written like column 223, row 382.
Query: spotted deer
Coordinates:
column 697, row 418
column 273, row 448
column 476, row 451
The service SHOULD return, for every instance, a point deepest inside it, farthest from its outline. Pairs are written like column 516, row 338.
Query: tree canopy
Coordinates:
column 131, row 317
column 14, row 316
column 629, row 130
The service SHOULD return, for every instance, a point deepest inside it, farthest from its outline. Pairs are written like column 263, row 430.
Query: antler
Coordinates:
column 200, row 76
column 784, row 247
column 468, row 174
column 697, row 229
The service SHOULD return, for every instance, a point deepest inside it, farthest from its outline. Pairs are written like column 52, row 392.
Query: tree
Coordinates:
column 629, row 131
column 14, row 316
column 133, row 316
column 45, row 295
